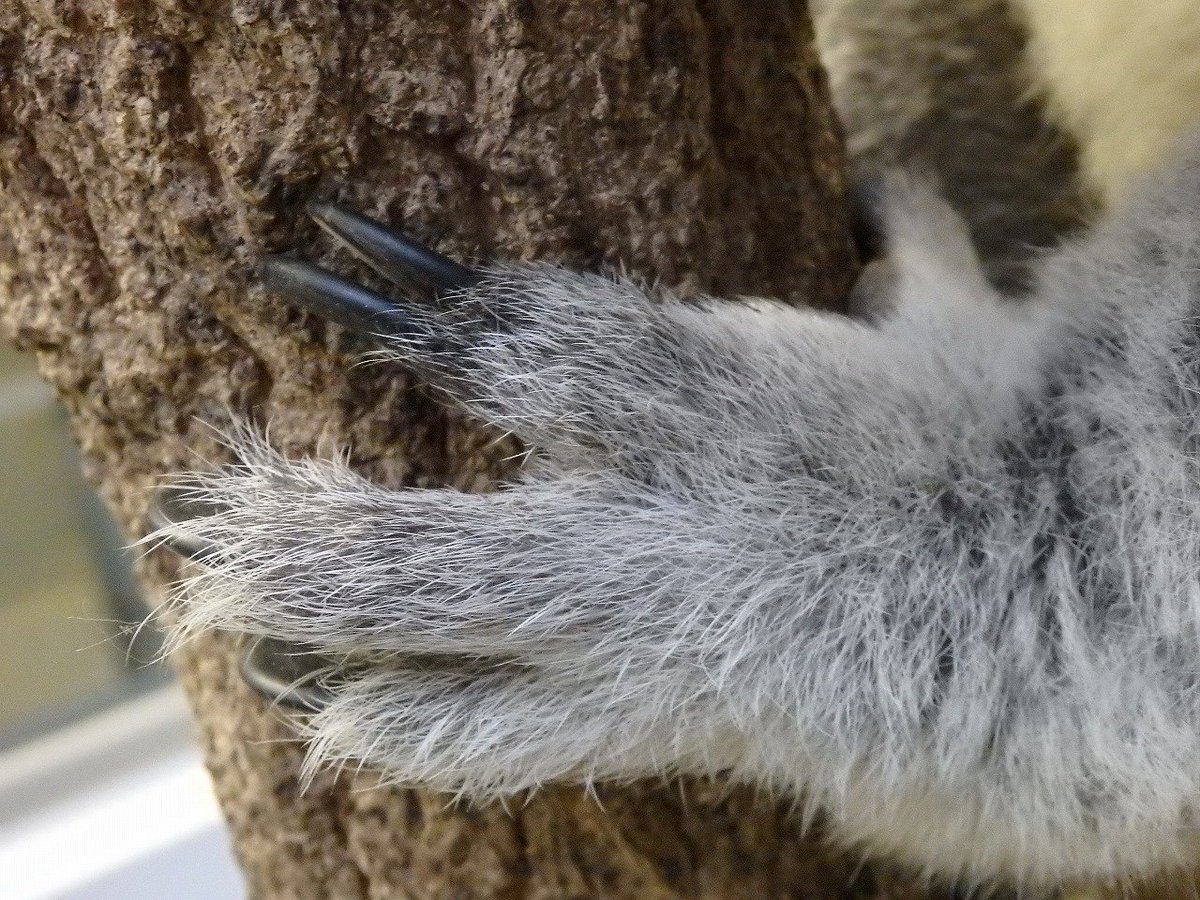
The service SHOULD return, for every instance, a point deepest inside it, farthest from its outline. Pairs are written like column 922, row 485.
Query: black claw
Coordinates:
column 867, row 197
column 391, row 253
column 337, row 299
column 170, row 510
column 285, row 674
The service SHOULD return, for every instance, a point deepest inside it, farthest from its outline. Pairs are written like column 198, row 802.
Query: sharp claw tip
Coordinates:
column 271, row 268
column 167, row 506
column 266, row 263
column 320, row 210
column 170, row 510
column 156, row 518
column 283, row 674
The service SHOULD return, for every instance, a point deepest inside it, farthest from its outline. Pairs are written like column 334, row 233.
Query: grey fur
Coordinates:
column 937, row 577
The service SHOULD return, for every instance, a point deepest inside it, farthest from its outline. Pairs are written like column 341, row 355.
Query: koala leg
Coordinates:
column 937, row 576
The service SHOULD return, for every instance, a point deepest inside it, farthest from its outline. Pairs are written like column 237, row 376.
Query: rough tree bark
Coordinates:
column 148, row 150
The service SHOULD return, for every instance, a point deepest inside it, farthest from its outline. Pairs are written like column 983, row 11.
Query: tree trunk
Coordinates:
column 150, row 148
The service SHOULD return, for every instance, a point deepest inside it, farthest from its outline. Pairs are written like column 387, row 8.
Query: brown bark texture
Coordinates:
column 149, row 149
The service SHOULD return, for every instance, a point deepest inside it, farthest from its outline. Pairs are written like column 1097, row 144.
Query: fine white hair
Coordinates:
column 936, row 574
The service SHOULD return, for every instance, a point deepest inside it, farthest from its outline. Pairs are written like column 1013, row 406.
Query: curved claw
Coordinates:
column 867, row 218
column 171, row 508
column 390, row 253
column 337, row 299
column 285, row 674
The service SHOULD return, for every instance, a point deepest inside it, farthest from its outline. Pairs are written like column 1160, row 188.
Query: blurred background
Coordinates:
column 69, row 606
column 103, row 793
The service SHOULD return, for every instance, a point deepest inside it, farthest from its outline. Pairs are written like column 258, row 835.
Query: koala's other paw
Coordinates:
column 920, row 258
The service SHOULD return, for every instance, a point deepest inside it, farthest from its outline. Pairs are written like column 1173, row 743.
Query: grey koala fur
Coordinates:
column 935, row 576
